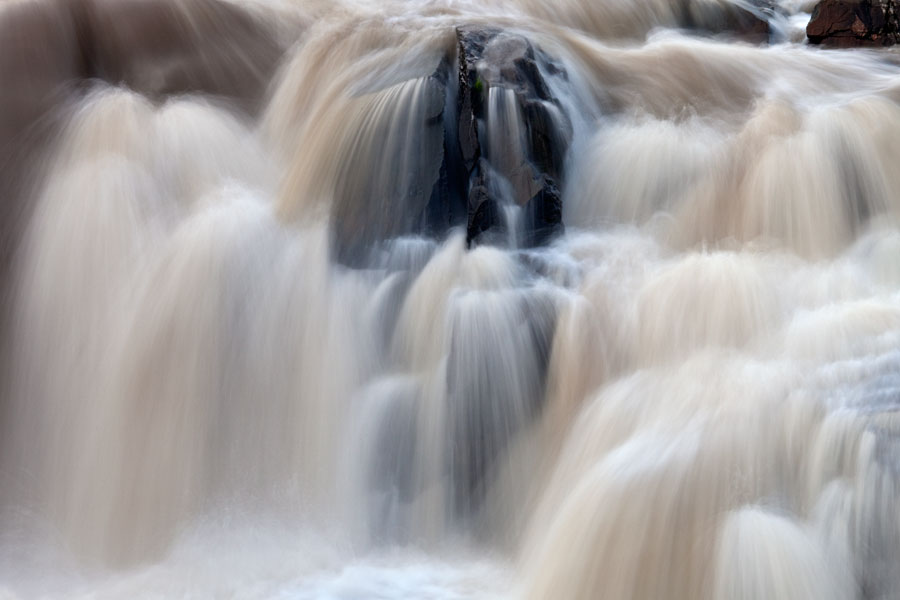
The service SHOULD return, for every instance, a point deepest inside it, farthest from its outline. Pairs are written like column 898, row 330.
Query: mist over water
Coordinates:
column 240, row 360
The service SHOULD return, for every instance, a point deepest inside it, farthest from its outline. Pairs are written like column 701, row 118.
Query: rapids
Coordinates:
column 691, row 393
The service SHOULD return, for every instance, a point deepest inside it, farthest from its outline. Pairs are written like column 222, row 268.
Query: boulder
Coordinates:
column 485, row 137
column 748, row 22
column 513, row 134
column 851, row 23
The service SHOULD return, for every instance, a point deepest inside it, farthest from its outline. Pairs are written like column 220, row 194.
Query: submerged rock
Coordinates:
column 849, row 23
column 160, row 48
column 393, row 179
column 749, row 22
column 496, row 378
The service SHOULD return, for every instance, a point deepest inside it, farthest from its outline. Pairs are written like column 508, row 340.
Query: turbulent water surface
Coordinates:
column 233, row 366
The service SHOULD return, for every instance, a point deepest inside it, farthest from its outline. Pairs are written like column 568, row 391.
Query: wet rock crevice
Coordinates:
column 487, row 156
column 513, row 135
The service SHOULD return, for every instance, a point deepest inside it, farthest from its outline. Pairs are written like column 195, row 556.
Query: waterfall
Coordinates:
column 446, row 299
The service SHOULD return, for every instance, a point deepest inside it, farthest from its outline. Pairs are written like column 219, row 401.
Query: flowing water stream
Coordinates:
column 692, row 393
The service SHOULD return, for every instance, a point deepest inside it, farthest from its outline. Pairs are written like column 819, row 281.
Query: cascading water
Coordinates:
column 446, row 299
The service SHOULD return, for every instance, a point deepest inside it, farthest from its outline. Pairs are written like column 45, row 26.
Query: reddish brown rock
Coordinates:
column 851, row 23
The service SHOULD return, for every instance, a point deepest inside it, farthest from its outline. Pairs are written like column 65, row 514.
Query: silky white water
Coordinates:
column 692, row 393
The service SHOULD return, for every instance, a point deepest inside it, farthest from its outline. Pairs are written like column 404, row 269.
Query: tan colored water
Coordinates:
column 692, row 394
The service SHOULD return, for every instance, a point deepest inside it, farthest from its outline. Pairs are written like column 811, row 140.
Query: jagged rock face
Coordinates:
column 848, row 23
column 485, row 139
column 514, row 135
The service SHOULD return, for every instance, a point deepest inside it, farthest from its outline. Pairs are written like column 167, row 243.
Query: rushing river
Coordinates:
column 234, row 368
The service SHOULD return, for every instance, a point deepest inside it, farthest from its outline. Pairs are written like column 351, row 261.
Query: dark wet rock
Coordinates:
column 464, row 166
column 471, row 93
column 543, row 217
column 851, row 23
column 493, row 61
column 446, row 206
column 485, row 222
